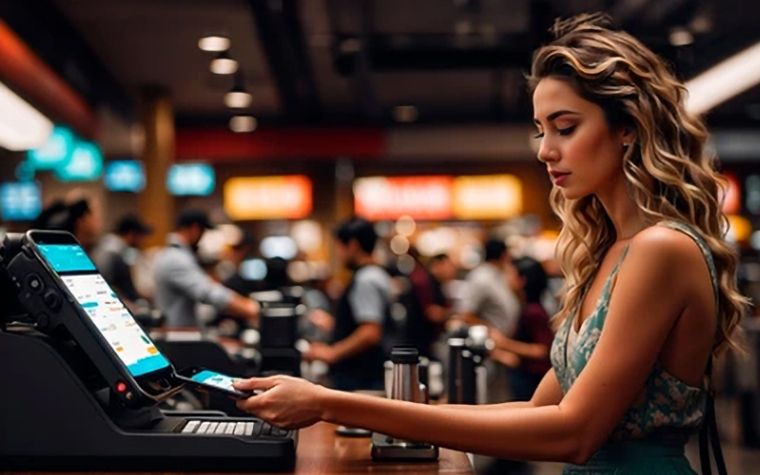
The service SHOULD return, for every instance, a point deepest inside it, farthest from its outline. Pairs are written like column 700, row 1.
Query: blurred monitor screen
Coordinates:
column 253, row 269
column 196, row 179
column 125, row 175
column 86, row 163
column 284, row 247
column 56, row 152
column 20, row 201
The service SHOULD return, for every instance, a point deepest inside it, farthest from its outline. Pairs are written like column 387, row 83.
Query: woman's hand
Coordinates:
column 286, row 402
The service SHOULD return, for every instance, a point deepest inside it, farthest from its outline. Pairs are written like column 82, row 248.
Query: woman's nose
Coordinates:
column 546, row 152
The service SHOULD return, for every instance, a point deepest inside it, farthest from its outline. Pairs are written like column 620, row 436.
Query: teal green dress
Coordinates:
column 651, row 436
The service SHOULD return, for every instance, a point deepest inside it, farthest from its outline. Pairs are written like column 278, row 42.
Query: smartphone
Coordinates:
column 100, row 308
column 203, row 378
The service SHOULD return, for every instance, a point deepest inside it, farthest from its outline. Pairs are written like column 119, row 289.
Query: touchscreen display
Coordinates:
column 104, row 308
column 215, row 379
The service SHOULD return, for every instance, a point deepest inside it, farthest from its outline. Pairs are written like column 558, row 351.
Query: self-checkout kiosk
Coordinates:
column 68, row 400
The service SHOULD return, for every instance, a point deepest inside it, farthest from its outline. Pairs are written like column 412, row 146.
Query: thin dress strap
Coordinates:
column 708, row 433
column 706, row 252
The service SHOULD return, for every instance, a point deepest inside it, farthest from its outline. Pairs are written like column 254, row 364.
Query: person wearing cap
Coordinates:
column 180, row 282
column 115, row 256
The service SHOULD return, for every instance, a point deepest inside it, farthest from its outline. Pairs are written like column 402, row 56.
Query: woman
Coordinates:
column 651, row 283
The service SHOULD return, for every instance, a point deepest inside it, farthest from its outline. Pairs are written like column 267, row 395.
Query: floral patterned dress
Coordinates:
column 651, row 436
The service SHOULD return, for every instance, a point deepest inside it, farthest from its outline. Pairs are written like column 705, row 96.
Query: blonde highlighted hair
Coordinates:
column 669, row 174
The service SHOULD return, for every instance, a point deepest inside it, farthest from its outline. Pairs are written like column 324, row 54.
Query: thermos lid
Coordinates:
column 405, row 355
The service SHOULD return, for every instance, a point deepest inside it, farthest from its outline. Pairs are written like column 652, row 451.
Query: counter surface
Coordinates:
column 321, row 452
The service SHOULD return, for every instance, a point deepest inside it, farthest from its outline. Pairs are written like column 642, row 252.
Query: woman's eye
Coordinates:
column 539, row 135
column 566, row 130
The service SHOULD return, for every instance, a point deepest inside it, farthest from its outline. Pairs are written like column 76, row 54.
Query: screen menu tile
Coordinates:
column 115, row 323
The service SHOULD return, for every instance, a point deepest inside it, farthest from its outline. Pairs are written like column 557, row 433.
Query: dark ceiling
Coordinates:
column 351, row 62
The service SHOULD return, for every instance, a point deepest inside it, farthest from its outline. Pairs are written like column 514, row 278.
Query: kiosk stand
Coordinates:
column 60, row 409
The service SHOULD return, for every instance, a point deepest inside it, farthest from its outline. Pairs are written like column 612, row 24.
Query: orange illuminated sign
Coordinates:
column 392, row 197
column 487, row 197
column 438, row 197
column 275, row 197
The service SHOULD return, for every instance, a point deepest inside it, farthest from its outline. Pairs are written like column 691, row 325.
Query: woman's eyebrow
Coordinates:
column 555, row 115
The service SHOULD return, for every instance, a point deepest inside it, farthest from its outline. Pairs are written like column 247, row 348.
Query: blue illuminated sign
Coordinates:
column 25, row 171
column 56, row 152
column 125, row 175
column 191, row 179
column 20, row 201
column 86, row 163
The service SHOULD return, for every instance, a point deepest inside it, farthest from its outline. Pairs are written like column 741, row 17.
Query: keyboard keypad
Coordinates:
column 238, row 428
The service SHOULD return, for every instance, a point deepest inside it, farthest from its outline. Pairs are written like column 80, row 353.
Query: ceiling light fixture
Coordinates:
column 214, row 43
column 224, row 64
column 238, row 97
column 22, row 127
column 724, row 80
column 681, row 37
column 407, row 113
column 243, row 123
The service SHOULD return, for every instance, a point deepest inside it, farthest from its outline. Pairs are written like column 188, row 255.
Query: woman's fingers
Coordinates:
column 252, row 404
column 253, row 384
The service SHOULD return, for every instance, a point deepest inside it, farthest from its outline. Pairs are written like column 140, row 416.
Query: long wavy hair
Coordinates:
column 668, row 173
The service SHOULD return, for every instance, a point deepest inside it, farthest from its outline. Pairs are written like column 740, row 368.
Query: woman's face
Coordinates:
column 582, row 154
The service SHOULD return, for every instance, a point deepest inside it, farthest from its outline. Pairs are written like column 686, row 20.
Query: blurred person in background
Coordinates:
column 425, row 312
column 442, row 271
column 488, row 297
column 528, row 351
column 356, row 354
column 238, row 253
column 180, row 282
column 78, row 214
column 232, row 274
column 116, row 255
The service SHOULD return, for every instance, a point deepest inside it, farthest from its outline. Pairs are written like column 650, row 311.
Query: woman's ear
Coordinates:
column 628, row 136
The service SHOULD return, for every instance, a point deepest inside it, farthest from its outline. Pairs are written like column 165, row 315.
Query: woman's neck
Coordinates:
column 622, row 210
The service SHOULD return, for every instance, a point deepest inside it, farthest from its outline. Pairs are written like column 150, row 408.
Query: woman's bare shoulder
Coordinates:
column 671, row 252
column 666, row 241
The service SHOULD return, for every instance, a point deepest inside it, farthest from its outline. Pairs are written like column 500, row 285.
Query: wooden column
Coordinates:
column 156, row 206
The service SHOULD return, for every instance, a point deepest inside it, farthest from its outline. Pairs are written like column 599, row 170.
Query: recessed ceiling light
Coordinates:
column 681, row 37
column 243, row 123
column 214, row 43
column 237, row 99
column 406, row 113
column 223, row 64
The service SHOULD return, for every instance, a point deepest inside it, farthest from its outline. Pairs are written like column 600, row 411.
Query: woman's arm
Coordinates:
column 651, row 293
column 548, row 393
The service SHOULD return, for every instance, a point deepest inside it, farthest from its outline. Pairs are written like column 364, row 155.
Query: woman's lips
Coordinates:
column 559, row 177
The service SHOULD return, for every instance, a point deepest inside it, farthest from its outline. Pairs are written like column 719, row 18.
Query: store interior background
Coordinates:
column 341, row 90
